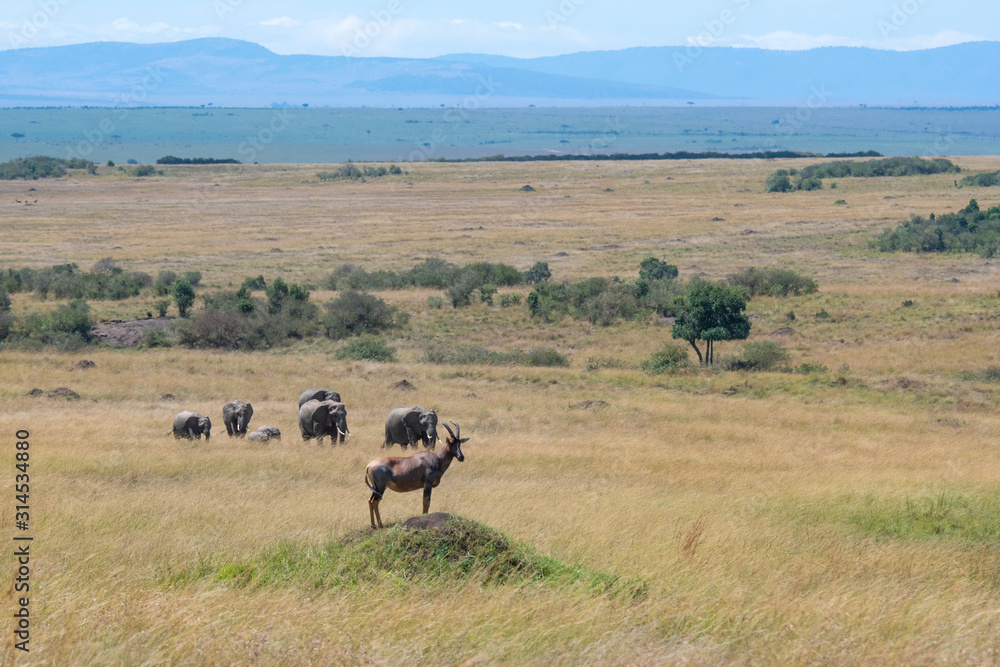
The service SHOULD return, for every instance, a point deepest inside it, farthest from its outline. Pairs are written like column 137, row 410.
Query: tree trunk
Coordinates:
column 697, row 351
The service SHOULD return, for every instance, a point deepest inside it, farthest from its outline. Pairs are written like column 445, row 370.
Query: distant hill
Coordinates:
column 226, row 72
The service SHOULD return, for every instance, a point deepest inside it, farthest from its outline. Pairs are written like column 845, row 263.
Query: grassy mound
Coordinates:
column 460, row 549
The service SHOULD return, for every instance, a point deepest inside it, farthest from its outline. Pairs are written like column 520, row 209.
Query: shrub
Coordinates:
column 772, row 281
column 142, row 170
column 193, row 277
column 367, row 348
column 652, row 268
column 155, row 337
column 435, row 302
column 62, row 327
column 778, row 182
column 537, row 273
column 508, row 300
column 670, row 357
column 40, row 166
column 257, row 283
column 167, row 278
column 355, row 313
column 4, row 300
column 183, row 296
column 807, row 368
column 761, row 355
column 161, row 307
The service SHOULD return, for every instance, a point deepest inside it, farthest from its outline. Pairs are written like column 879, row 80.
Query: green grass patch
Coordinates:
column 952, row 516
column 461, row 549
column 466, row 355
column 988, row 374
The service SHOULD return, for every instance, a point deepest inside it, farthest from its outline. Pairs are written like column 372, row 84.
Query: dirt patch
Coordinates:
column 35, row 392
column 84, row 365
column 596, row 404
column 783, row 331
column 903, row 383
column 431, row 521
column 64, row 392
column 403, row 385
column 170, row 397
column 125, row 334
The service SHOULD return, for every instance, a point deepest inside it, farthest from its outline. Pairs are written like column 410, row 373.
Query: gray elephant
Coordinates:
column 322, row 418
column 192, row 426
column 236, row 416
column 406, row 426
column 318, row 395
column 263, row 434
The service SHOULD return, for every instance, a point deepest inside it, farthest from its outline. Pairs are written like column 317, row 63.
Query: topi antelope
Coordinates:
column 409, row 473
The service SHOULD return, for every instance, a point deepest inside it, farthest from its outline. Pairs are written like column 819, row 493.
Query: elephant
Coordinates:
column 318, row 395
column 321, row 418
column 263, row 434
column 192, row 426
column 236, row 416
column 405, row 426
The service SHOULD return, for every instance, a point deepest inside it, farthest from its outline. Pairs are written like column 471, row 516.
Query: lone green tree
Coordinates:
column 183, row 296
column 711, row 312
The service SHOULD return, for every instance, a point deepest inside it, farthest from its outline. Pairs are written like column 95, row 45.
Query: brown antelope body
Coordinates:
column 423, row 470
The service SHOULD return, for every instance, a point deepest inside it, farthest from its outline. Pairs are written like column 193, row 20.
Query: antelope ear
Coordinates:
column 464, row 440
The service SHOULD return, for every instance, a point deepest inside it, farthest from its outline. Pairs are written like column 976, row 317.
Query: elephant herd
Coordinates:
column 321, row 413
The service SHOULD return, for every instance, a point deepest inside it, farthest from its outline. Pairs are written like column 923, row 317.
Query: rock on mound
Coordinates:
column 427, row 521
column 85, row 364
column 403, row 385
column 527, row 188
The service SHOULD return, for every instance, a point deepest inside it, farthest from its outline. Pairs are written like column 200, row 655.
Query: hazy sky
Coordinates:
column 523, row 28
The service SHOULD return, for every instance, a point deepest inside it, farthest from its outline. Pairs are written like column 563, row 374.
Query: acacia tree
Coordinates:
column 711, row 312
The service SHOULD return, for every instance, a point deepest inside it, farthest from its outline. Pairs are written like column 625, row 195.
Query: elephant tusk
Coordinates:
column 341, row 432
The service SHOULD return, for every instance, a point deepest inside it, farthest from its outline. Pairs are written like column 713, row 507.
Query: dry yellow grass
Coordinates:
column 735, row 508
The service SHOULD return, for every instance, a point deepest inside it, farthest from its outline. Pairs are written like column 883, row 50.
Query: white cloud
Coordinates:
column 785, row 40
column 127, row 25
column 509, row 24
column 281, row 22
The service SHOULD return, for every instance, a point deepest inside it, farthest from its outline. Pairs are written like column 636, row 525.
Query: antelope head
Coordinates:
column 455, row 441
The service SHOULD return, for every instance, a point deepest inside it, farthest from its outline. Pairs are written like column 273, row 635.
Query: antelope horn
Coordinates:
column 449, row 428
column 458, row 431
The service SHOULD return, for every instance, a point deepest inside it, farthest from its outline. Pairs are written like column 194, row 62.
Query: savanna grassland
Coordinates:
column 848, row 515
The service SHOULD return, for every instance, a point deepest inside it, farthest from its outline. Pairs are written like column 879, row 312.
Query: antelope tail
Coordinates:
column 368, row 484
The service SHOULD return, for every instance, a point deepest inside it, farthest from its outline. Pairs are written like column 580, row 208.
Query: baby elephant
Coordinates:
column 236, row 416
column 263, row 434
column 192, row 426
